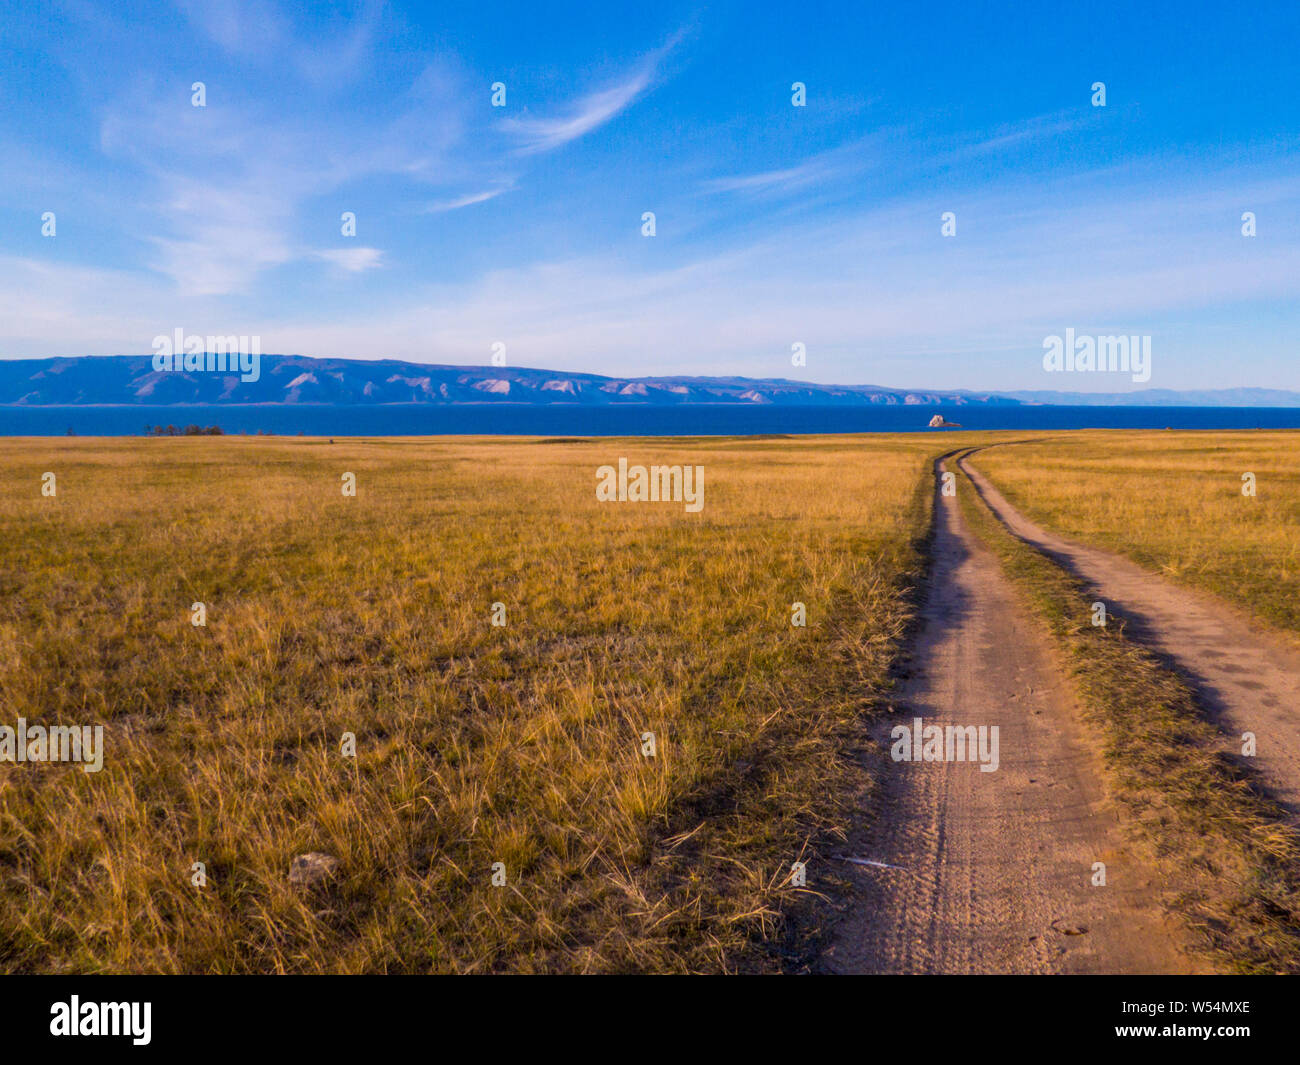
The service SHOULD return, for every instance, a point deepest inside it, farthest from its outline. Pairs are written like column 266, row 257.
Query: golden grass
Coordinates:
column 1173, row 502
column 475, row 744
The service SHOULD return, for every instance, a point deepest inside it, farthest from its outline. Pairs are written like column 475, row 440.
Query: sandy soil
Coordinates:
column 996, row 868
column 1245, row 676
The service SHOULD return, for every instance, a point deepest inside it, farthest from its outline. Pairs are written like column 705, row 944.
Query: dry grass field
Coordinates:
column 475, row 743
column 1173, row 502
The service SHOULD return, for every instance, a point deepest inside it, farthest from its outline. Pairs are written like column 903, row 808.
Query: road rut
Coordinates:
column 996, row 868
column 1247, row 678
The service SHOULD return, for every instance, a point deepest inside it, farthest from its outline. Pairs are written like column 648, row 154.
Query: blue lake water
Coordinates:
column 694, row 420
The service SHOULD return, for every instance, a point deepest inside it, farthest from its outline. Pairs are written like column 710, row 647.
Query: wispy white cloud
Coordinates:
column 261, row 31
column 540, row 134
column 352, row 260
column 834, row 166
column 468, row 200
column 1011, row 135
column 789, row 178
column 250, row 28
column 224, row 186
column 220, row 232
column 543, row 134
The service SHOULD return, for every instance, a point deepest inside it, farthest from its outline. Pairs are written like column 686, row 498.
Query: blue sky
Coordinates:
column 775, row 224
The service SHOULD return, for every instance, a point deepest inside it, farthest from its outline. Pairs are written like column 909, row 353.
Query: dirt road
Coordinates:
column 996, row 867
column 1247, row 678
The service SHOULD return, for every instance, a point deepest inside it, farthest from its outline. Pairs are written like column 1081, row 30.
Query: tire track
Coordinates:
column 1247, row 678
column 996, row 867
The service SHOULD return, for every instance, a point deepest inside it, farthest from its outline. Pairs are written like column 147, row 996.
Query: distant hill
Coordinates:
column 124, row 380
column 1164, row 397
column 129, row 379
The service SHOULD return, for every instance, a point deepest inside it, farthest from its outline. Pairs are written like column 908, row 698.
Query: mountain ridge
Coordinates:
column 120, row 380
column 128, row 380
